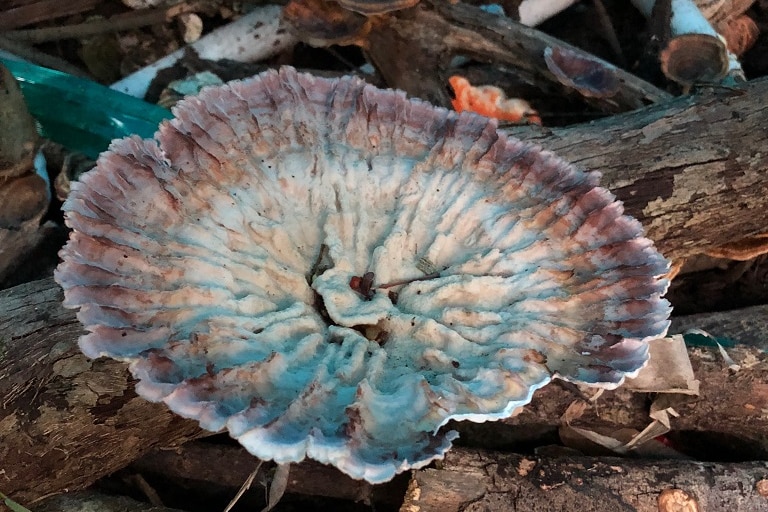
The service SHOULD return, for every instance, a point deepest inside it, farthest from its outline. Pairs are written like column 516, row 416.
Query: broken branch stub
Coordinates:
column 334, row 271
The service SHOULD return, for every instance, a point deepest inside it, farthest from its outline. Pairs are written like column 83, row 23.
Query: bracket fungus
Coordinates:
column 330, row 270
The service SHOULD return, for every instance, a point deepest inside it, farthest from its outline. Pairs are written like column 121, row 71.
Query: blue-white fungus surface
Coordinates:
column 333, row 271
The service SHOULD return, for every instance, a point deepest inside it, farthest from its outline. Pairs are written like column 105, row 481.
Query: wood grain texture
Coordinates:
column 475, row 480
column 66, row 420
column 693, row 170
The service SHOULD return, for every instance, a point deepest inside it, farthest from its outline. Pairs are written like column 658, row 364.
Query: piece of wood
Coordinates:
column 191, row 464
column 732, row 403
column 65, row 420
column 120, row 22
column 413, row 49
column 42, row 10
column 24, row 195
column 693, row 170
column 748, row 326
column 474, row 480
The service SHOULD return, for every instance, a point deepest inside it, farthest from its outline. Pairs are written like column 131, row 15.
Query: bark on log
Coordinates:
column 748, row 326
column 693, row 170
column 473, row 480
column 191, row 464
column 730, row 402
column 66, row 420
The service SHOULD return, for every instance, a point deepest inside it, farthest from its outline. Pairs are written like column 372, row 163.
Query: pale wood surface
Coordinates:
column 474, row 481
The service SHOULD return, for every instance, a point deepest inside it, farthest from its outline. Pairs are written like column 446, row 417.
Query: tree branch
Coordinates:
column 478, row 480
column 65, row 420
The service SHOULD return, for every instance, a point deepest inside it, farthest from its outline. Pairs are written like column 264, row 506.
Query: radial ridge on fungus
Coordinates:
column 334, row 271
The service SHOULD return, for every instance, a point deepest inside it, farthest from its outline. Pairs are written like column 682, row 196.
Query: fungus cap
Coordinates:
column 334, row 271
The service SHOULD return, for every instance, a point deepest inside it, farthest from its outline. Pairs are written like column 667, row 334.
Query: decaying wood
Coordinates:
column 120, row 22
column 473, row 480
column 191, row 464
column 432, row 33
column 693, row 170
column 66, row 420
column 23, row 194
column 42, row 10
column 729, row 402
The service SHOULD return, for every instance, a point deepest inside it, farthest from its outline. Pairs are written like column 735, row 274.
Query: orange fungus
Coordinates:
column 490, row 101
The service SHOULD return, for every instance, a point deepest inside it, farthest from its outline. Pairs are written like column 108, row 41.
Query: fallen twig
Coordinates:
column 41, row 11
column 127, row 21
column 261, row 28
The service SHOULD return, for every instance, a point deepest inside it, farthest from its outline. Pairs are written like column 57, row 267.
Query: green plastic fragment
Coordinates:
column 80, row 114
column 703, row 339
column 15, row 507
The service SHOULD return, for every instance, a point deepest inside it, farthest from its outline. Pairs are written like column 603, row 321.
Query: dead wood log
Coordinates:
column 190, row 465
column 66, row 420
column 693, row 170
column 474, row 480
column 748, row 326
column 471, row 479
column 732, row 403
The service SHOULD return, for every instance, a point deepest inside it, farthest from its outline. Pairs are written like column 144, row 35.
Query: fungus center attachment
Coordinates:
column 348, row 300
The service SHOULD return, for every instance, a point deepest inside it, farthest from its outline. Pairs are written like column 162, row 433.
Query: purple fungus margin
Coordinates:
column 591, row 77
column 330, row 270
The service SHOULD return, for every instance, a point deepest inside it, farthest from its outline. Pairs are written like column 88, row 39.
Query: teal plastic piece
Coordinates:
column 80, row 114
column 699, row 339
